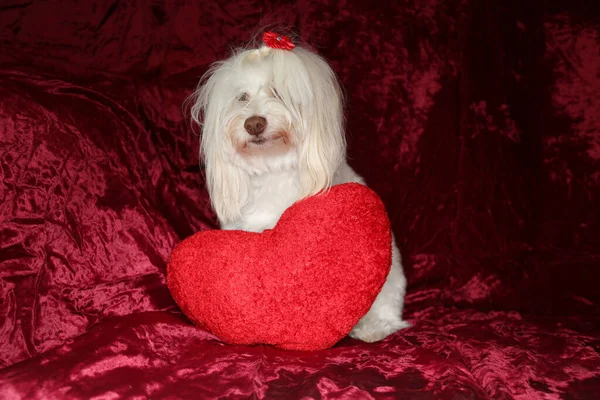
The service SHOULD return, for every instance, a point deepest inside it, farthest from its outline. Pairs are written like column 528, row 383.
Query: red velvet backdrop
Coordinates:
column 477, row 122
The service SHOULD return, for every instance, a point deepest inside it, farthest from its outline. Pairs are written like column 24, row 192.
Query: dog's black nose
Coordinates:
column 255, row 125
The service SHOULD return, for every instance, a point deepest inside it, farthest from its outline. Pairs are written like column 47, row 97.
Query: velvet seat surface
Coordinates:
column 477, row 122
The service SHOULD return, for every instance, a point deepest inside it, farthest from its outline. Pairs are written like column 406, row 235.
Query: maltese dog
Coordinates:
column 272, row 134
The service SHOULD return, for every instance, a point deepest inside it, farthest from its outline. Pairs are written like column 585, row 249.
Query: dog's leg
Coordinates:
column 385, row 315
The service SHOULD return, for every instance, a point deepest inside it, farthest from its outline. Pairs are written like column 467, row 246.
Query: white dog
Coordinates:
column 272, row 134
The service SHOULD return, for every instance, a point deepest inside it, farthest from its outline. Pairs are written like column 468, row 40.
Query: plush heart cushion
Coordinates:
column 302, row 285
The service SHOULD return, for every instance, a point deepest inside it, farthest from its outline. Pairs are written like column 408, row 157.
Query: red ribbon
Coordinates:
column 277, row 41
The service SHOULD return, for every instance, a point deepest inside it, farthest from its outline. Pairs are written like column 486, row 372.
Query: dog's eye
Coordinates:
column 243, row 97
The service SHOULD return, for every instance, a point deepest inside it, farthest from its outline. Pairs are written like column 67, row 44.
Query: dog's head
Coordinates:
column 266, row 109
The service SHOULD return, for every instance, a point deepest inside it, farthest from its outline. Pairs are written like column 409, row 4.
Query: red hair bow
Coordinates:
column 277, row 41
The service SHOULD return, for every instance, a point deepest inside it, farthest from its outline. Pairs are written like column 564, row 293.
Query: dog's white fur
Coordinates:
column 302, row 151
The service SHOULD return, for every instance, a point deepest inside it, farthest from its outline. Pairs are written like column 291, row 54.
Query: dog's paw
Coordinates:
column 374, row 331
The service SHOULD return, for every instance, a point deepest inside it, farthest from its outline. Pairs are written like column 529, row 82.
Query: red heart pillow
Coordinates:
column 302, row 285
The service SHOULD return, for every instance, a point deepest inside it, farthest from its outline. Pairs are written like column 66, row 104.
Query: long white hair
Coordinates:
column 309, row 102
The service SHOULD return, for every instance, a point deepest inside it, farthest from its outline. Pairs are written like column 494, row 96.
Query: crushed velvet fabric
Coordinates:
column 477, row 122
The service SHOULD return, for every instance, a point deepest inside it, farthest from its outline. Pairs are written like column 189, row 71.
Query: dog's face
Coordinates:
column 266, row 110
column 258, row 123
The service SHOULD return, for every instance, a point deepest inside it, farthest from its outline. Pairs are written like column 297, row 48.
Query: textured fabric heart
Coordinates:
column 302, row 285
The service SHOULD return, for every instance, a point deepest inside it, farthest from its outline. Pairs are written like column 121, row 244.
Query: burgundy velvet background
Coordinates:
column 477, row 122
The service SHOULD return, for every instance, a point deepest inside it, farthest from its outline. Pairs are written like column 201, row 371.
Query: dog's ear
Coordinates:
column 227, row 185
column 318, row 103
